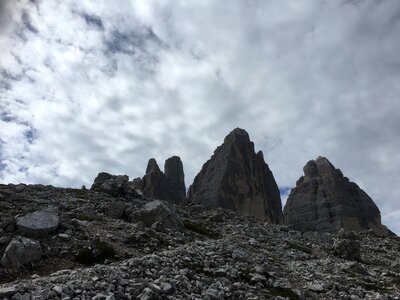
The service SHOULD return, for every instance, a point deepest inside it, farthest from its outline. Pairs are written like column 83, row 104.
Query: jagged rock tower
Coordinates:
column 324, row 200
column 169, row 185
column 237, row 178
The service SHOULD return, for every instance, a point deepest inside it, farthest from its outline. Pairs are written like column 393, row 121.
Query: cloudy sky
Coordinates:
column 89, row 86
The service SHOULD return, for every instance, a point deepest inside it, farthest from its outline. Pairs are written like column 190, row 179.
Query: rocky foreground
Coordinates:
column 103, row 244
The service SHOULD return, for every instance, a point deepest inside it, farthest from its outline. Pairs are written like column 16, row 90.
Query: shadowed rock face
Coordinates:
column 153, row 181
column 169, row 186
column 324, row 200
column 237, row 178
column 173, row 171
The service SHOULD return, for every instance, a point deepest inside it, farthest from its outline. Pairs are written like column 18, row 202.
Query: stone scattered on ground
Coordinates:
column 214, row 253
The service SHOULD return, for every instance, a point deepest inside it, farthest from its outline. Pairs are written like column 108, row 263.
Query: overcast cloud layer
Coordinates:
column 89, row 86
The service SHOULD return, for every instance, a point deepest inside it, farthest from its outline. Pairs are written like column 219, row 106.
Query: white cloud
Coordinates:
column 105, row 86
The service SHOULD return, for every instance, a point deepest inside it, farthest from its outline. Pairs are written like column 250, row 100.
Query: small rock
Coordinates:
column 355, row 267
column 166, row 287
column 7, row 291
column 147, row 294
column 260, row 269
column 58, row 289
column 258, row 278
column 213, row 294
column 316, row 287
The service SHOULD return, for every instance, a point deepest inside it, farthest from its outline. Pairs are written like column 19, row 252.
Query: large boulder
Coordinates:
column 237, row 178
column 168, row 186
column 325, row 200
column 114, row 185
column 21, row 251
column 39, row 223
column 157, row 211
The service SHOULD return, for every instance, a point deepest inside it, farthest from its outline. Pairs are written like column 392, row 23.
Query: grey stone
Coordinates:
column 21, row 251
column 347, row 249
column 8, row 291
column 325, row 200
column 355, row 267
column 166, row 287
column 115, row 209
column 213, row 294
column 237, row 178
column 157, row 211
column 39, row 223
column 316, row 287
column 114, row 185
column 258, row 278
column 147, row 294
column 58, row 289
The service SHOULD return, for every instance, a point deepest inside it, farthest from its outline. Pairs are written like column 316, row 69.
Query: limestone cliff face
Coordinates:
column 325, row 200
column 168, row 186
column 237, row 178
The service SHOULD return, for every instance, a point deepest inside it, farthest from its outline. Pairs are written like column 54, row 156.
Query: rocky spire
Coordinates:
column 153, row 181
column 325, row 200
column 237, row 178
column 173, row 171
column 169, row 186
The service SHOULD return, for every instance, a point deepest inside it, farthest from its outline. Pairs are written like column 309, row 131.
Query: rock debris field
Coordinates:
column 158, row 250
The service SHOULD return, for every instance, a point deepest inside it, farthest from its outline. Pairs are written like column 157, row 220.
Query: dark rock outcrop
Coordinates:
column 173, row 171
column 325, row 200
column 237, row 178
column 154, row 183
column 114, row 185
column 168, row 186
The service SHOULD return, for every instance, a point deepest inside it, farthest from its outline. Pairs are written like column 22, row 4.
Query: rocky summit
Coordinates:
column 169, row 185
column 237, row 178
column 325, row 200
